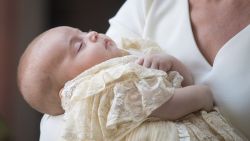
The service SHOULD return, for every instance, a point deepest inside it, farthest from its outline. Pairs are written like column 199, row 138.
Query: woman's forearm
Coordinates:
column 185, row 100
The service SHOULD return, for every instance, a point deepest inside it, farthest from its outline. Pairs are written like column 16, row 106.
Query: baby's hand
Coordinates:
column 158, row 61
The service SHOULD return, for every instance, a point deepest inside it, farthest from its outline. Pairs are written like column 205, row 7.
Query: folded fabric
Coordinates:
column 109, row 100
column 112, row 101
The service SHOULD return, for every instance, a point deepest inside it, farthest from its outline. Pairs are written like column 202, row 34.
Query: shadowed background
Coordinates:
column 20, row 22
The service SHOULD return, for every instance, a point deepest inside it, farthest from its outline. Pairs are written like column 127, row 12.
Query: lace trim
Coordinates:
column 111, row 99
column 182, row 132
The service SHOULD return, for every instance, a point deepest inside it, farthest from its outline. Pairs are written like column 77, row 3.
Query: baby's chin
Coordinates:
column 118, row 52
column 115, row 51
column 122, row 52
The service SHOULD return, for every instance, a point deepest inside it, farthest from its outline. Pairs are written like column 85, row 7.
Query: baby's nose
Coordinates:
column 93, row 36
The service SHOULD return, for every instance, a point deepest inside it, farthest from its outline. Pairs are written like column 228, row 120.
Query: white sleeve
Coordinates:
column 130, row 20
column 51, row 128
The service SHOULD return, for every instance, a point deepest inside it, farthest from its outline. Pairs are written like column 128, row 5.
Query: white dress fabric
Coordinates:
column 167, row 22
column 112, row 101
column 109, row 100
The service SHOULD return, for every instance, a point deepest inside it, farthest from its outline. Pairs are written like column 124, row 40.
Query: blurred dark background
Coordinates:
column 20, row 22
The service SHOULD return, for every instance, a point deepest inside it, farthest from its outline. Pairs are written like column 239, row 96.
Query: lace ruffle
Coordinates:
column 111, row 99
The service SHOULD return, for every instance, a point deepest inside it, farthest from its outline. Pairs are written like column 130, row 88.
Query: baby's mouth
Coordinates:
column 107, row 43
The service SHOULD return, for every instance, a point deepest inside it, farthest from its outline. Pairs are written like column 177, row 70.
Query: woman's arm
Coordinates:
column 184, row 101
column 130, row 20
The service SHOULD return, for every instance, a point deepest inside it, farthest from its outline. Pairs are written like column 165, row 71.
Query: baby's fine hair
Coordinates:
column 35, row 82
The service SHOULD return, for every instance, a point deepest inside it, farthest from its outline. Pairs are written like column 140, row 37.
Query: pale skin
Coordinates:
column 214, row 22
column 186, row 100
column 55, row 57
column 65, row 52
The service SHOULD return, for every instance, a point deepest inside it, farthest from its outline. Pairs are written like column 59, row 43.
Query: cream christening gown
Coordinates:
column 113, row 100
column 167, row 22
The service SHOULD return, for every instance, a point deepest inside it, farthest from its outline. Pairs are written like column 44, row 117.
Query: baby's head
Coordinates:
column 56, row 56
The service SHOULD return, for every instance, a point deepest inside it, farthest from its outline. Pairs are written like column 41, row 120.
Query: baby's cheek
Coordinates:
column 73, row 71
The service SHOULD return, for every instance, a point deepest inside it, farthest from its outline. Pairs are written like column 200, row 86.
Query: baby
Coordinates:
column 60, row 54
column 55, row 57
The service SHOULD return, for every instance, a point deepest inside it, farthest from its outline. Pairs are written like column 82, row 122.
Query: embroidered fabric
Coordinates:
column 209, row 126
column 182, row 132
column 111, row 99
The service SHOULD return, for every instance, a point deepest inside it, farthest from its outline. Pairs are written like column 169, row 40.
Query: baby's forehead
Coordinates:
column 63, row 30
column 50, row 48
column 53, row 44
column 54, row 34
column 58, row 35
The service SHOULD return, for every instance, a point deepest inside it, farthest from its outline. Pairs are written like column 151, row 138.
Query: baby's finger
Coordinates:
column 164, row 67
column 140, row 61
column 147, row 63
column 155, row 65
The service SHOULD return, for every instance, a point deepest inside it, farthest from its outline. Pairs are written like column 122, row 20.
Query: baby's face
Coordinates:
column 74, row 51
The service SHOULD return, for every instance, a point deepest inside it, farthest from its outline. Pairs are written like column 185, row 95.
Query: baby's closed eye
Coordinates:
column 79, row 45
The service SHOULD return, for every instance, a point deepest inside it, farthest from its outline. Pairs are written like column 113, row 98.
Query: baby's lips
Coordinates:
column 107, row 43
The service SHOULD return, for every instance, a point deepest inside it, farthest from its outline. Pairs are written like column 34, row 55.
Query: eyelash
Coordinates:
column 79, row 47
column 82, row 44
